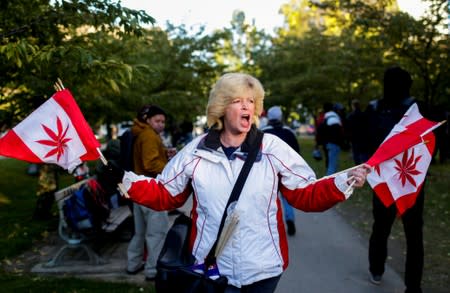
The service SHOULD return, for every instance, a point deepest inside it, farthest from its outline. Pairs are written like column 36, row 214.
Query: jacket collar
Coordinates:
column 212, row 140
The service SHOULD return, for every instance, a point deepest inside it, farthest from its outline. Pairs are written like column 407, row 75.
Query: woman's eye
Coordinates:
column 236, row 101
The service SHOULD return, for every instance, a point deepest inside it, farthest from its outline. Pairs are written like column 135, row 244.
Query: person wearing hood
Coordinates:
column 149, row 159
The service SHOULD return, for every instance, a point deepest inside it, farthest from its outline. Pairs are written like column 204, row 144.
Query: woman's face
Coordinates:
column 239, row 114
column 157, row 122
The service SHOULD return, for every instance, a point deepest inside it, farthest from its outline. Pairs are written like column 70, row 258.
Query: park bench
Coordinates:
column 77, row 240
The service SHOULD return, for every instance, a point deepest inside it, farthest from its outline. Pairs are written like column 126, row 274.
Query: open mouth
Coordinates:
column 245, row 118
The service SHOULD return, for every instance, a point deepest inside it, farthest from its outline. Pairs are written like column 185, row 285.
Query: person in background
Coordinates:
column 149, row 158
column 382, row 115
column 183, row 135
column 330, row 134
column 263, row 119
column 256, row 253
column 275, row 126
column 339, row 109
column 112, row 153
column 356, row 129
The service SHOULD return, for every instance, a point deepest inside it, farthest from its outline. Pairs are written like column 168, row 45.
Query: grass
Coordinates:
column 17, row 201
column 20, row 234
column 34, row 283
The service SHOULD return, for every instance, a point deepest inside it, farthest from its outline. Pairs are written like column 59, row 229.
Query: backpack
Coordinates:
column 330, row 133
column 87, row 208
column 126, row 150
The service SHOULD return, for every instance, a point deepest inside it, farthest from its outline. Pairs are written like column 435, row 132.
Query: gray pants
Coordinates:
column 150, row 229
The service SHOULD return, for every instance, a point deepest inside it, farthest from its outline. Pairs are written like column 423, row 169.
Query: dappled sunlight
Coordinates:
column 4, row 200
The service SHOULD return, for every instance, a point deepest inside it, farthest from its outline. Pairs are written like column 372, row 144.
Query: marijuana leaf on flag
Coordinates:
column 54, row 133
column 402, row 160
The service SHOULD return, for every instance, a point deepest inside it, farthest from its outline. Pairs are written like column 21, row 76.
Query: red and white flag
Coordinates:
column 54, row 133
column 402, row 160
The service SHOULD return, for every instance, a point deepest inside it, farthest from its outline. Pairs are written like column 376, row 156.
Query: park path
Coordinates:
column 327, row 255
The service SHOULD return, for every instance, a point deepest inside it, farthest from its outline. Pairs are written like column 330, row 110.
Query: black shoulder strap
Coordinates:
column 251, row 157
column 244, row 171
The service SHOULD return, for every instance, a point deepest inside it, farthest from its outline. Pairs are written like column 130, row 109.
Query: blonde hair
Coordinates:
column 225, row 90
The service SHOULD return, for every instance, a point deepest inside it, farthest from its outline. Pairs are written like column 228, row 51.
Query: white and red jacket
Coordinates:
column 258, row 248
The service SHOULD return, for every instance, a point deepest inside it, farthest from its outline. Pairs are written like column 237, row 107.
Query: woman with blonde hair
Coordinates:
column 256, row 253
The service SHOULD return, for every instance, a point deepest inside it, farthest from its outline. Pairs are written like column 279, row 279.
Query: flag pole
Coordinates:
column 432, row 128
column 340, row 172
column 352, row 178
column 58, row 85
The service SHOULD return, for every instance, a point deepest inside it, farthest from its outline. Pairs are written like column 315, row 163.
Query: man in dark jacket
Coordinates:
column 275, row 126
column 382, row 115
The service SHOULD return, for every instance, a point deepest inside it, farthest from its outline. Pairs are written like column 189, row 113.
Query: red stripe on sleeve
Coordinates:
column 315, row 197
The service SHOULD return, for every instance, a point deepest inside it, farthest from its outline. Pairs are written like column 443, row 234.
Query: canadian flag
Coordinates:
column 55, row 133
column 402, row 160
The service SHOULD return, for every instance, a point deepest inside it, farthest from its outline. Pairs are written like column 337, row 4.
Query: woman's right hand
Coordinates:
column 114, row 172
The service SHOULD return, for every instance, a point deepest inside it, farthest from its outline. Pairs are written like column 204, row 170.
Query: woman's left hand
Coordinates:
column 357, row 176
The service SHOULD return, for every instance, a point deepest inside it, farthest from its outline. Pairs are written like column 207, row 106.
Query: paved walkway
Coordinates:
column 326, row 256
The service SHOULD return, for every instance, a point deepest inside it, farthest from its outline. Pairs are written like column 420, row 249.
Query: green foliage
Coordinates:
column 332, row 51
column 421, row 46
column 242, row 43
column 43, row 40
column 343, row 56
column 172, row 69
column 111, row 64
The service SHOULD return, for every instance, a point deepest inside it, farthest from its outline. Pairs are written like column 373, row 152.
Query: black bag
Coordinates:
column 174, row 272
column 331, row 134
column 174, row 265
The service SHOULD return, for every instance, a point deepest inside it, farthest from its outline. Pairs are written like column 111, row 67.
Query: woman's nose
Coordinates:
column 245, row 104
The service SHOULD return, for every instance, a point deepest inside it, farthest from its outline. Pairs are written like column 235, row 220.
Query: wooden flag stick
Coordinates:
column 431, row 129
column 59, row 85
column 102, row 158
column 352, row 178
column 340, row 172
